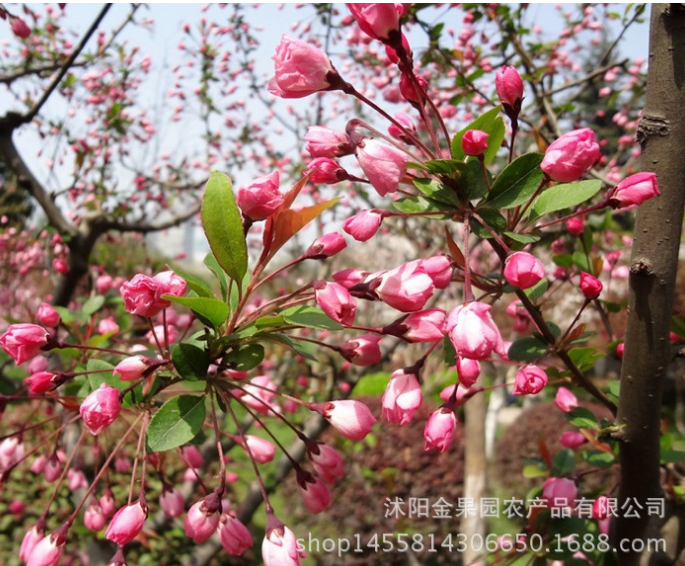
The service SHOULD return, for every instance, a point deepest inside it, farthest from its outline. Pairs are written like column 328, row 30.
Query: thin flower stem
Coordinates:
column 154, row 335
column 135, row 460
column 63, row 345
column 355, row 122
column 521, row 212
column 573, row 323
column 494, row 234
column 66, row 469
column 581, row 212
column 272, row 435
column 219, row 447
column 468, row 292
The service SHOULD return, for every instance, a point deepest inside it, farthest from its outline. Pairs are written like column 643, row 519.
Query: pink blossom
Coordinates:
column 424, row 326
column 262, row 450
column 327, row 462
column 93, row 517
column 406, row 288
column 202, row 519
column 327, row 245
column 348, row 278
column 315, row 494
column 100, row 409
column 590, row 286
column 363, row 225
column 261, row 198
column 279, row 547
column 324, row 170
column 350, row 418
column 47, row 315
column 234, row 536
column 32, row 537
column 572, row 439
column 43, row 381
column 383, row 165
column 634, row 190
column 439, row 430
column 516, row 310
column 509, row 86
column 48, row 550
column 11, row 452
column 468, row 371
column 335, row 301
column 324, row 142
column 108, row 326
column 402, row 398
column 127, row 523
column 169, row 283
column 377, row 20
column 474, row 142
column 19, row 27
column 473, row 332
column 575, row 225
column 363, row 350
column 141, row 296
column 172, row 502
column 300, row 69
column 259, row 394
column 130, row 369
column 24, row 341
column 529, row 380
column 523, row 270
column 103, row 284
column 559, row 492
column 438, row 268
column 567, row 158
column 565, row 400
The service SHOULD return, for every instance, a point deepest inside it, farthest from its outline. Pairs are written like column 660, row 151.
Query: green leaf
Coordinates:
column 536, row 292
column 92, row 305
column 472, row 182
column 582, row 418
column 535, row 470
column 493, row 218
column 176, row 423
column 311, row 317
column 614, row 388
column 413, row 205
column 97, row 379
column 217, row 270
column 371, row 385
column 598, row 458
column 580, row 259
column 223, row 226
column 245, row 358
column 190, row 361
column 444, row 166
column 492, row 124
column 450, row 356
column 527, row 349
column 517, row 183
column 523, row 238
column 584, row 358
column 564, row 463
column 195, row 284
column 304, row 349
column 436, row 191
column 65, row 314
column 564, row 196
column 211, row 312
column 672, row 456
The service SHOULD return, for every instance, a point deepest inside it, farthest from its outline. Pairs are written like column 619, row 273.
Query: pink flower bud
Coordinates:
column 93, row 518
column 234, row 536
column 48, row 550
column 402, row 398
column 327, row 462
column 377, row 20
column 100, row 409
column 509, row 86
column 77, row 479
column 422, row 326
column 529, row 380
column 559, row 492
column 259, row 394
column 523, row 270
column 11, row 452
column 335, row 301
column 473, row 332
column 103, row 284
column 53, row 468
column 300, row 69
column 326, row 246
column 520, row 315
column 575, row 225
column 363, row 350
column 324, row 170
column 363, row 225
column 348, row 278
column 32, row 537
column 397, row 133
column 192, row 456
column 43, row 381
column 324, row 142
column 24, row 341
column 261, row 198
column 634, row 190
column 169, row 283
column 172, row 502
column 262, row 450
column 413, row 91
column 565, row 400
column 48, row 316
column 572, row 439
column 567, row 158
column 127, row 523
column 619, row 350
column 279, row 547
column 19, row 27
column 383, row 165
column 130, row 369
column 350, row 418
column 590, row 286
column 141, row 296
column 107, row 503
column 108, row 326
column 37, row 364
column 315, row 494
column 468, row 371
column 439, row 431
column 202, row 519
column 438, row 268
column 474, row 142
column 406, row 288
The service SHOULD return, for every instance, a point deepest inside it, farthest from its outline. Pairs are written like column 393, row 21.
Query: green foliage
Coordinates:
column 492, row 124
column 176, row 423
column 190, row 362
column 211, row 312
column 517, row 183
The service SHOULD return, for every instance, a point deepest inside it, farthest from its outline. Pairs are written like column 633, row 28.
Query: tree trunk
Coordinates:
column 653, row 269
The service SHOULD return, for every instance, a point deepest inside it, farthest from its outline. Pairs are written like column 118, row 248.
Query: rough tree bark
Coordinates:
column 652, row 278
